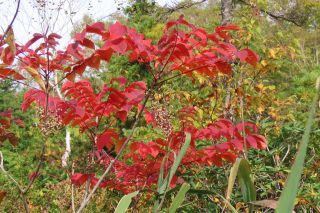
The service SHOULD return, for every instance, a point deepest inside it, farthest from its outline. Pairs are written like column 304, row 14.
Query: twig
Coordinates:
column 11, row 23
column 72, row 192
column 25, row 191
column 20, row 188
column 86, row 190
column 86, row 201
column 7, row 173
column 277, row 17
column 285, row 156
column 183, row 5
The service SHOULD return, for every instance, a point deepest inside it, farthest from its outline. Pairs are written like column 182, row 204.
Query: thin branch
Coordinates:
column 7, row 173
column 86, row 201
column 20, row 188
column 182, row 5
column 274, row 16
column 11, row 23
column 72, row 192
column 37, row 169
column 181, row 73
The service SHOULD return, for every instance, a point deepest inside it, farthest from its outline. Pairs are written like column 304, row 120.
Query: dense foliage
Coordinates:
column 131, row 94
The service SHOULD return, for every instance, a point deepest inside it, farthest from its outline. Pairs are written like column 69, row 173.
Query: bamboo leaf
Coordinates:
column 232, row 178
column 176, row 164
column 178, row 200
column 125, row 202
column 245, row 182
column 288, row 195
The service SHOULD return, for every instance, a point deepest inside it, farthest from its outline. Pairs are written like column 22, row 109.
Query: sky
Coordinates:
column 30, row 16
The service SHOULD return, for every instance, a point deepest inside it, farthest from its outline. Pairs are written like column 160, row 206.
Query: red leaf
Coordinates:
column 93, row 61
column 122, row 115
column 105, row 54
column 80, row 68
column 78, row 179
column 5, row 72
column 73, row 49
column 149, row 117
column 33, row 175
column 87, row 43
column 2, row 195
column 7, row 56
column 121, row 80
column 97, row 28
column 35, row 38
column 55, row 35
column 249, row 56
column 252, row 141
column 117, row 30
column 106, row 139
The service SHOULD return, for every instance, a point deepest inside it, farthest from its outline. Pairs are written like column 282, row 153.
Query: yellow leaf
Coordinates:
column 157, row 97
column 10, row 41
column 260, row 109
column 36, row 76
column 264, row 63
column 272, row 53
column 186, row 95
column 200, row 113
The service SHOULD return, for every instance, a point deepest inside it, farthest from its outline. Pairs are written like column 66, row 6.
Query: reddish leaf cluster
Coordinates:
column 85, row 107
column 192, row 49
column 226, row 143
column 43, row 57
column 197, row 50
column 5, row 124
column 184, row 49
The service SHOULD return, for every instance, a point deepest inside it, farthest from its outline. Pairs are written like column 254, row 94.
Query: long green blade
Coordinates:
column 176, row 164
column 232, row 178
column 288, row 195
column 245, row 182
column 178, row 200
column 125, row 202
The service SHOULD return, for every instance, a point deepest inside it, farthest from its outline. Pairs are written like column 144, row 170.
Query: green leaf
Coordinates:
column 176, row 164
column 125, row 202
column 178, row 200
column 232, row 178
column 288, row 195
column 163, row 185
column 245, row 182
column 161, row 174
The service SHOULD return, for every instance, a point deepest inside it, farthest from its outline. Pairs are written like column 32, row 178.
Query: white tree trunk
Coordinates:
column 65, row 157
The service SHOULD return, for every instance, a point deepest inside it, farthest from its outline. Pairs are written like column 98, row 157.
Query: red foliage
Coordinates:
column 5, row 124
column 186, row 51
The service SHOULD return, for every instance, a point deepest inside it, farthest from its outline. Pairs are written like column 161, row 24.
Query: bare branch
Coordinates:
column 182, row 5
column 86, row 201
column 11, row 23
column 273, row 15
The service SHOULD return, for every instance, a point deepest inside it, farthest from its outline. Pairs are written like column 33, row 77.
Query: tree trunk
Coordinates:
column 226, row 15
column 226, row 11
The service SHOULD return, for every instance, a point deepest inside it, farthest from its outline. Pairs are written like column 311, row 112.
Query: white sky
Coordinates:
column 28, row 20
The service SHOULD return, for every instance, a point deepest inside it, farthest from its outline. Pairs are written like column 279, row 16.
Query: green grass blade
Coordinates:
column 176, row 164
column 178, row 200
column 125, row 202
column 288, row 195
column 232, row 178
column 245, row 182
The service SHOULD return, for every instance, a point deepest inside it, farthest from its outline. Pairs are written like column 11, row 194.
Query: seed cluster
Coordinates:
column 162, row 118
column 49, row 123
